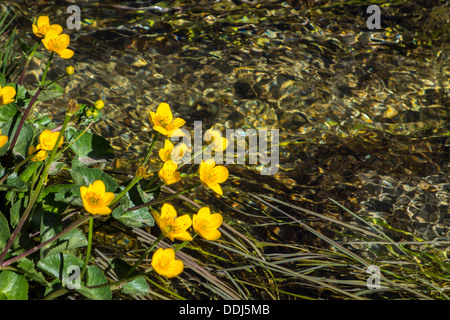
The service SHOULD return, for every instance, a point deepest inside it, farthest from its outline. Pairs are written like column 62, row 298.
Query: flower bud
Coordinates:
column 70, row 70
column 72, row 106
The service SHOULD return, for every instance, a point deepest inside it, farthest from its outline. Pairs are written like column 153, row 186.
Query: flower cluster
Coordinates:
column 173, row 227
column 53, row 38
column 47, row 142
column 210, row 174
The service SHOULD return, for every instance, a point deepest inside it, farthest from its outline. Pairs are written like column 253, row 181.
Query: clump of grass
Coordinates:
column 241, row 266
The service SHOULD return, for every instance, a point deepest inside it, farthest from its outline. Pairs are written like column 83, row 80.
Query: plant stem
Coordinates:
column 88, row 253
column 150, row 149
column 46, row 69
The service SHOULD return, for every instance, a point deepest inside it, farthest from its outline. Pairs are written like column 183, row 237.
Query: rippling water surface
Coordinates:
column 363, row 114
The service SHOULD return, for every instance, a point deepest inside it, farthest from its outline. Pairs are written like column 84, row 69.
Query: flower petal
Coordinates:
column 3, row 140
column 83, row 189
column 102, row 210
column 184, row 221
column 221, row 174
column 204, row 213
column 8, row 92
column 66, row 53
column 107, row 198
column 164, row 111
column 216, row 187
column 168, row 212
column 43, row 21
column 98, row 186
column 215, row 220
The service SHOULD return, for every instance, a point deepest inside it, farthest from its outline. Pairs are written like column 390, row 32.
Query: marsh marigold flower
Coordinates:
column 38, row 156
column 206, row 224
column 168, row 173
column 7, row 95
column 215, row 139
column 163, row 121
column 58, row 43
column 95, row 198
column 99, row 104
column 171, row 226
column 47, row 140
column 3, row 139
column 211, row 176
column 165, row 264
column 43, row 25
column 169, row 152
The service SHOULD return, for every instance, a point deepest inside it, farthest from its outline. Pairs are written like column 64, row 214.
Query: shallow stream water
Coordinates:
column 363, row 115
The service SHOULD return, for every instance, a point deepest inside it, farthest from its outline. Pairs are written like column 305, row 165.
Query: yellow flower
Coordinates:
column 164, row 122
column 171, row 226
column 58, row 43
column 99, row 104
column 215, row 139
column 43, row 25
column 168, row 173
column 3, row 139
column 165, row 264
column 7, row 95
column 47, row 140
column 211, row 176
column 206, row 224
column 38, row 156
column 95, row 199
column 170, row 153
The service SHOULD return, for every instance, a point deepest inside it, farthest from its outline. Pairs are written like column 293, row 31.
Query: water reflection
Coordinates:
column 363, row 115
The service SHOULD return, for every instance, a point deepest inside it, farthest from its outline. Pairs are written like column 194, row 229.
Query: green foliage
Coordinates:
column 13, row 286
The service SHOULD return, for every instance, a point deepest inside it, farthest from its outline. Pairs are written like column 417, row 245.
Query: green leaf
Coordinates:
column 135, row 218
column 137, row 287
column 27, row 174
column 57, row 266
column 25, row 137
column 22, row 97
column 50, row 93
column 4, row 231
column 83, row 176
column 90, row 147
column 95, row 277
column 17, row 209
column 74, row 239
column 7, row 113
column 50, row 226
column 28, row 268
column 13, row 286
